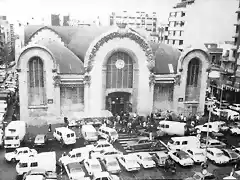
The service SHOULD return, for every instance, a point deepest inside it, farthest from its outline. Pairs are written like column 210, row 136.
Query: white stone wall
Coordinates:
column 95, row 93
column 180, row 90
column 162, row 97
column 38, row 114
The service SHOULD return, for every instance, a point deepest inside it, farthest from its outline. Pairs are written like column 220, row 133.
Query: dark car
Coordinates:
column 234, row 157
column 40, row 140
column 141, row 143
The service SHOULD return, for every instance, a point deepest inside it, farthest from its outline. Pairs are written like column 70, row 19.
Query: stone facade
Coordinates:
column 85, row 91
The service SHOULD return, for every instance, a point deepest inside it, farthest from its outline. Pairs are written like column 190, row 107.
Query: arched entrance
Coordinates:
column 118, row 101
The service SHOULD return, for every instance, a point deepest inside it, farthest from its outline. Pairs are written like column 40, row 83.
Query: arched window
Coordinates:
column 119, row 71
column 193, row 72
column 36, row 85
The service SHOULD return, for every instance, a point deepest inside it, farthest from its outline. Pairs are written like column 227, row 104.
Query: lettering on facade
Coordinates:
column 50, row 101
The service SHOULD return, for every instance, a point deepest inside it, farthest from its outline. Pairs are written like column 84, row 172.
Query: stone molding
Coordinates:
column 120, row 33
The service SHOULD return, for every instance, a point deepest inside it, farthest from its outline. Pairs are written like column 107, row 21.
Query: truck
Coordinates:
column 45, row 161
column 15, row 134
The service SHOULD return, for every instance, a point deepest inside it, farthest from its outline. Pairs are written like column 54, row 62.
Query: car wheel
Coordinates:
column 13, row 160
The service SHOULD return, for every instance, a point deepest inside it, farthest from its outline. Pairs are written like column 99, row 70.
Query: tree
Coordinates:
column 7, row 54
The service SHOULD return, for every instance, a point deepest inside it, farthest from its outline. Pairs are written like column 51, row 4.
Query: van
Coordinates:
column 182, row 143
column 108, row 133
column 45, row 161
column 89, row 133
column 15, row 133
column 65, row 135
column 173, row 128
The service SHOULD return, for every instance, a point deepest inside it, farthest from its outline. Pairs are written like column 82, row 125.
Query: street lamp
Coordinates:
column 213, row 74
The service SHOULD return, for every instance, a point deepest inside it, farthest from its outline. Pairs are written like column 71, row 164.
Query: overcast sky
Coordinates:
column 23, row 9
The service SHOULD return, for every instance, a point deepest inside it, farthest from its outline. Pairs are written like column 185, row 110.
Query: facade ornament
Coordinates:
column 87, row 79
column 177, row 80
column 151, row 79
column 125, row 33
column 57, row 80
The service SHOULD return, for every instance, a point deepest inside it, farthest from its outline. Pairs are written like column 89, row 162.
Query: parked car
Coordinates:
column 19, row 153
column 232, row 155
column 235, row 107
column 74, row 170
column 110, row 153
column 92, row 166
column 212, row 143
column 146, row 160
column 111, row 164
column 217, row 156
column 104, row 176
column 181, row 157
column 39, row 172
column 141, row 143
column 200, row 176
column 196, row 154
column 101, row 145
column 129, row 162
column 234, row 131
column 159, row 157
column 40, row 140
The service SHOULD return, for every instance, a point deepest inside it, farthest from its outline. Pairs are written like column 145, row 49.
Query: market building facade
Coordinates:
column 63, row 70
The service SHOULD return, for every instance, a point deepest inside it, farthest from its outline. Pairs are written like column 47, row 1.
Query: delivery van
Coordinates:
column 14, row 134
column 89, row 133
column 108, row 133
column 65, row 135
column 173, row 128
column 182, row 143
column 45, row 161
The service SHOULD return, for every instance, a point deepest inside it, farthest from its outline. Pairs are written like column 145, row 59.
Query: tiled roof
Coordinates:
column 165, row 55
column 67, row 61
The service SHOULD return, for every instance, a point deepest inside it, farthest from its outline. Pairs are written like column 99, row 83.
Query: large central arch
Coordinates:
column 119, row 40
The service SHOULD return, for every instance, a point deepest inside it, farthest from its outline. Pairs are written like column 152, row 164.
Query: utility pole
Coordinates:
column 236, row 57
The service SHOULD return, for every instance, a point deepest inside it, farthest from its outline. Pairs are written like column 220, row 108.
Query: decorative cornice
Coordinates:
column 122, row 33
column 87, row 79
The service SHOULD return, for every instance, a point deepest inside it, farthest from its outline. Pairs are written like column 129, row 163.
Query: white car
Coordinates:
column 129, row 162
column 74, row 170
column 104, row 176
column 19, row 153
column 196, row 154
column 111, row 164
column 235, row 107
column 181, row 157
column 92, row 166
column 213, row 127
column 75, row 155
column 217, row 156
column 101, row 146
column 145, row 159
column 235, row 130
column 110, row 153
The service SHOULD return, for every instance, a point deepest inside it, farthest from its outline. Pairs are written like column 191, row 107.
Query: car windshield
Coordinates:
column 76, row 169
column 112, row 163
column 147, row 158
column 131, row 161
column 219, row 154
column 93, row 134
column 199, row 154
column 9, row 138
column 96, row 166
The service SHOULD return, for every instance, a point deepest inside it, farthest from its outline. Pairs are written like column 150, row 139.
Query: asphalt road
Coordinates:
column 8, row 172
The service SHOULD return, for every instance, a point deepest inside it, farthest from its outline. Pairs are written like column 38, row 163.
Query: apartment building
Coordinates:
column 147, row 21
column 176, row 22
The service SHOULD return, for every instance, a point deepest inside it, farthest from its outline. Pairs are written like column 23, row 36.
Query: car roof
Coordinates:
column 143, row 138
column 64, row 129
column 22, row 148
column 129, row 156
column 72, row 165
column 93, row 161
column 214, row 150
column 101, row 174
column 102, row 142
column 195, row 149
column 144, row 154
column 214, row 141
column 181, row 152
column 183, row 138
column 110, row 159
column 38, row 170
column 78, row 150
column 40, row 136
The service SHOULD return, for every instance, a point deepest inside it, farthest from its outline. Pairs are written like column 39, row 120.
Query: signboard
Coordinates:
column 180, row 99
column 50, row 101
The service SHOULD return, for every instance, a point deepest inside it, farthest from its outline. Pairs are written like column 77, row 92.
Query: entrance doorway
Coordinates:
column 118, row 101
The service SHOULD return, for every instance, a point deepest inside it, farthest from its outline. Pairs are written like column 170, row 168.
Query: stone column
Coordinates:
column 57, row 100
column 87, row 81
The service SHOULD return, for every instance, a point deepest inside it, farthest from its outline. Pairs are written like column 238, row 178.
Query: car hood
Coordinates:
column 199, row 158
column 148, row 162
column 77, row 175
column 187, row 160
column 9, row 155
column 113, row 168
